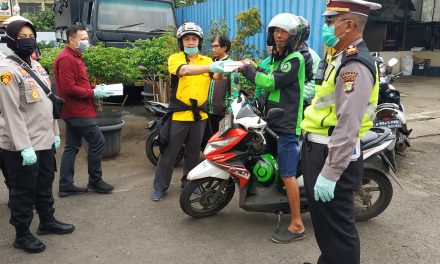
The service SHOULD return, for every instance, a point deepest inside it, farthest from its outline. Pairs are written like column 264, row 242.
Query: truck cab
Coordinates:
column 115, row 22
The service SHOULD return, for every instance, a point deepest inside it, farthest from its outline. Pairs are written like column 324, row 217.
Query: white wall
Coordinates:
column 418, row 57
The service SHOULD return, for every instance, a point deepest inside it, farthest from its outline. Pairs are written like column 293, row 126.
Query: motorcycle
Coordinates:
column 152, row 149
column 390, row 111
column 235, row 155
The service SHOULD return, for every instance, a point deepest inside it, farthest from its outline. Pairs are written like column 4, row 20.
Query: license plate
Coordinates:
column 393, row 123
column 225, row 125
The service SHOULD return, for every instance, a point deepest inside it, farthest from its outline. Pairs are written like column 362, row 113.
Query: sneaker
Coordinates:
column 100, row 187
column 71, row 190
column 286, row 236
column 156, row 196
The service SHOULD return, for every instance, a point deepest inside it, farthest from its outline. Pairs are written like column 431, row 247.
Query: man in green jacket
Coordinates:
column 285, row 85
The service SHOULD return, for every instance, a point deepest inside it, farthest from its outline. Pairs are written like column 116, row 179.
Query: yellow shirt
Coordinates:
column 194, row 86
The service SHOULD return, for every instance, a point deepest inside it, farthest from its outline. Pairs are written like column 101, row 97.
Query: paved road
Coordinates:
column 126, row 227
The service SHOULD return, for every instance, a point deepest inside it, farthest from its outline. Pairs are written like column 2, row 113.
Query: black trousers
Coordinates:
column 30, row 185
column 333, row 221
column 189, row 133
column 3, row 168
column 77, row 129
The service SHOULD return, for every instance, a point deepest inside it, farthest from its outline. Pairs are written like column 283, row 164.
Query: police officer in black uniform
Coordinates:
column 338, row 118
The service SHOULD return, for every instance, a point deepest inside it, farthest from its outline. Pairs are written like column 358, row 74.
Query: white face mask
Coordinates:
column 83, row 45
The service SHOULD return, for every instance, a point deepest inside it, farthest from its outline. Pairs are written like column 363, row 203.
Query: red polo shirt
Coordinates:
column 73, row 85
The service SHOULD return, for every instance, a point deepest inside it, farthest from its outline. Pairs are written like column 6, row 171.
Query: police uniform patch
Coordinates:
column 348, row 87
column 35, row 95
column 351, row 50
column 22, row 71
column 32, row 84
column 41, row 69
column 5, row 78
column 349, row 78
column 286, row 67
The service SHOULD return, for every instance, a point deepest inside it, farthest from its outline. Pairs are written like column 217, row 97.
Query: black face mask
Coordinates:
column 25, row 47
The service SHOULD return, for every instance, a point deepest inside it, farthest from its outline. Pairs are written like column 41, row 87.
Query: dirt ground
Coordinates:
column 127, row 227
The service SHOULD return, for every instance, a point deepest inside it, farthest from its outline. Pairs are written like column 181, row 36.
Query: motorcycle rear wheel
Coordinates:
column 203, row 202
column 374, row 196
column 152, row 149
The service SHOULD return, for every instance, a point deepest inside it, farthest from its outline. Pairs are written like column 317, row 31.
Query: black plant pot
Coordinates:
column 113, row 139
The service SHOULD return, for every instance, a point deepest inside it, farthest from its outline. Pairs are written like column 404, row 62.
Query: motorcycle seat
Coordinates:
column 387, row 105
column 375, row 136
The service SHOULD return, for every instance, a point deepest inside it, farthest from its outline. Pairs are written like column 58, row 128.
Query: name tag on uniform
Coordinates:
column 356, row 151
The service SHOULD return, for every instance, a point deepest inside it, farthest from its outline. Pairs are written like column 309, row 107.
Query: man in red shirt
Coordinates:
column 79, row 114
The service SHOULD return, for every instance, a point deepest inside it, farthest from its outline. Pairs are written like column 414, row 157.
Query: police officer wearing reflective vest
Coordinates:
column 345, row 100
column 27, row 135
column 187, row 119
column 285, row 85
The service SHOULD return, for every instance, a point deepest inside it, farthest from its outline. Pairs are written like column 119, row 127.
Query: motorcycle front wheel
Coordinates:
column 374, row 195
column 206, row 197
column 152, row 149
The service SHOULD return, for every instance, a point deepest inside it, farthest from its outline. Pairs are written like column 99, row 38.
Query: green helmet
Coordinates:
column 266, row 170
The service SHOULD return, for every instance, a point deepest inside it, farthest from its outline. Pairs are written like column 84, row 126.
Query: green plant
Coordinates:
column 248, row 24
column 43, row 20
column 47, row 57
column 153, row 54
column 218, row 28
column 111, row 65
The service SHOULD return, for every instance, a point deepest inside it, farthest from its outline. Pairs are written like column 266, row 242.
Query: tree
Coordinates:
column 183, row 3
column 44, row 20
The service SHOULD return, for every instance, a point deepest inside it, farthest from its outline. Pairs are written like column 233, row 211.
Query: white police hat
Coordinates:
column 361, row 7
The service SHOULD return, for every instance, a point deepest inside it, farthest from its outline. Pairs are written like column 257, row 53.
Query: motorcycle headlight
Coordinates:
column 210, row 147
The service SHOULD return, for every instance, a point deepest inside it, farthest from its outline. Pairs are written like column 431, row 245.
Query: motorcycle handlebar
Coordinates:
column 271, row 133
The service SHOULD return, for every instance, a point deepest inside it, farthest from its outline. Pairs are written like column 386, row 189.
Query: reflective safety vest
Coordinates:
column 320, row 116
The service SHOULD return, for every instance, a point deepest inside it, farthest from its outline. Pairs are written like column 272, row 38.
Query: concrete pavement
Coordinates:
column 127, row 227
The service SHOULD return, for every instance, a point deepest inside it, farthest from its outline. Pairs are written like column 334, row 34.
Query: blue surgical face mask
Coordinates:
column 328, row 35
column 83, row 45
column 191, row 51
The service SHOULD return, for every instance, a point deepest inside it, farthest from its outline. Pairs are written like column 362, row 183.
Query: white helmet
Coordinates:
column 290, row 23
column 15, row 18
column 189, row 28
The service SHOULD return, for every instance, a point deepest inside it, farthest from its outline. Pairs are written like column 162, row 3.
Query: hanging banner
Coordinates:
column 5, row 9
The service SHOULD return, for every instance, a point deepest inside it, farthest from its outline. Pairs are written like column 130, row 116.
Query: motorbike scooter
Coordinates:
column 390, row 111
column 235, row 155
column 152, row 148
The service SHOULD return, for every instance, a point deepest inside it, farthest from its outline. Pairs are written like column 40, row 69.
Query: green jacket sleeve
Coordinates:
column 234, row 92
column 309, row 88
column 265, row 66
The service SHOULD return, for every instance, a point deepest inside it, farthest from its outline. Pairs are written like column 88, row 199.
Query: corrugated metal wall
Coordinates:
column 203, row 13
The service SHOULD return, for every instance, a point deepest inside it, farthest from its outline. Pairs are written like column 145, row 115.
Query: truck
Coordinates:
column 115, row 22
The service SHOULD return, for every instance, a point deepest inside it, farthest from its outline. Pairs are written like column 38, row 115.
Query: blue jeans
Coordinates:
column 78, row 128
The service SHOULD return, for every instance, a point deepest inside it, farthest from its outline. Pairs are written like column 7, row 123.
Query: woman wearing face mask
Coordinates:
column 27, row 138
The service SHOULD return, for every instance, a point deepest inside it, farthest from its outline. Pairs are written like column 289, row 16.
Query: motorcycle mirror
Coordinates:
column 274, row 113
column 392, row 62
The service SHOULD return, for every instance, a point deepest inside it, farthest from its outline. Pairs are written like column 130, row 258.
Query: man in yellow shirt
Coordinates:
column 190, row 80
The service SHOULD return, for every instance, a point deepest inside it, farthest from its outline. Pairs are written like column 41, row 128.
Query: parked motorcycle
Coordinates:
column 152, row 149
column 390, row 112
column 235, row 155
